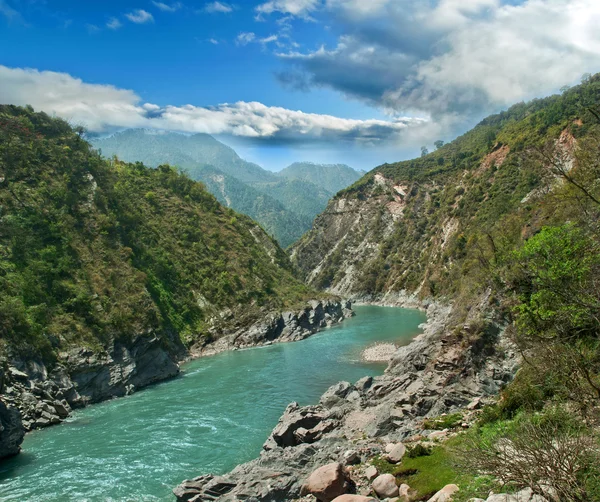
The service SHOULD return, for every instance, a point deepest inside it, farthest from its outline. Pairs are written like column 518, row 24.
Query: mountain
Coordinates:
column 187, row 152
column 330, row 177
column 96, row 252
column 285, row 205
column 286, row 224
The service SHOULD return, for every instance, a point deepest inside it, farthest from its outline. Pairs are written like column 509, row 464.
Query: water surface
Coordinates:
column 213, row 417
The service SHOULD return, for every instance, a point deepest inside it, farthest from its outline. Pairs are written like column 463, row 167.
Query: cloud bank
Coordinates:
column 451, row 60
column 103, row 108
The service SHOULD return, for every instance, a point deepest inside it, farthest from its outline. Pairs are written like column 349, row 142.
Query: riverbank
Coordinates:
column 353, row 423
column 46, row 396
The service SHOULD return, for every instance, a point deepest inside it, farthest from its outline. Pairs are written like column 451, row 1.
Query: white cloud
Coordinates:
column 245, row 38
column 174, row 7
column 140, row 16
column 294, row 7
column 114, row 23
column 92, row 28
column 213, row 41
column 103, row 107
column 218, row 7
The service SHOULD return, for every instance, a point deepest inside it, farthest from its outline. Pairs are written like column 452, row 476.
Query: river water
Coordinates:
column 213, row 417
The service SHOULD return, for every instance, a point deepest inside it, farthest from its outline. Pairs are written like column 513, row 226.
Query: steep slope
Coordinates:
column 330, row 177
column 425, row 225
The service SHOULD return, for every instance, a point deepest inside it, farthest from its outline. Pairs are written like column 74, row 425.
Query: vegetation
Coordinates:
column 93, row 250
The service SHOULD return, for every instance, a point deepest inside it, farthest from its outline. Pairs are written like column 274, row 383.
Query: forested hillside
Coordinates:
column 331, row 177
column 503, row 224
column 93, row 251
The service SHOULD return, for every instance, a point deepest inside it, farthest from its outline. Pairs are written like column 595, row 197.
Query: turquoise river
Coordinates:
column 215, row 415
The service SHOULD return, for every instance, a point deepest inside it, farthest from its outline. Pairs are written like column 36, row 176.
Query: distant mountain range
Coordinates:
column 284, row 203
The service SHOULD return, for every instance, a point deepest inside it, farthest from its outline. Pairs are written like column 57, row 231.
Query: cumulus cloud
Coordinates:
column 140, row 16
column 453, row 60
column 102, row 108
column 174, row 7
column 222, row 7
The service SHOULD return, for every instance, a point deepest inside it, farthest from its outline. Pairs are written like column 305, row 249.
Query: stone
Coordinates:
column 351, row 457
column 354, row 498
column 439, row 435
column 371, row 472
column 403, row 491
column 11, row 431
column 327, row 482
column 336, row 394
column 62, row 408
column 293, row 419
column 385, row 486
column 17, row 375
column 396, row 454
column 445, row 494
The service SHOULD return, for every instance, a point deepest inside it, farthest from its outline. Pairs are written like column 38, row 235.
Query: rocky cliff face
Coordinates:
column 354, row 422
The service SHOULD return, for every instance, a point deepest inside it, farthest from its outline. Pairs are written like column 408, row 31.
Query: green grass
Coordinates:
column 443, row 422
column 430, row 473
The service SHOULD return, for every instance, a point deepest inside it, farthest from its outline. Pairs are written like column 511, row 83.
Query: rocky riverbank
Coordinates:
column 35, row 396
column 353, row 423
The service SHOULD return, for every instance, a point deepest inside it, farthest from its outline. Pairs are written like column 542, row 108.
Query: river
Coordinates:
column 214, row 416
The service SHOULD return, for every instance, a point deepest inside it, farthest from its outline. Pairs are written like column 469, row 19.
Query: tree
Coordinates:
column 438, row 144
column 424, row 151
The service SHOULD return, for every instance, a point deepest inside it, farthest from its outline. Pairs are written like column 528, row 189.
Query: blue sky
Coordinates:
column 406, row 72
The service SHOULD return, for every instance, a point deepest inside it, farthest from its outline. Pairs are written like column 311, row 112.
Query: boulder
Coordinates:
column 445, row 494
column 327, row 482
column 385, row 486
column 371, row 472
column 354, row 498
column 396, row 454
column 403, row 491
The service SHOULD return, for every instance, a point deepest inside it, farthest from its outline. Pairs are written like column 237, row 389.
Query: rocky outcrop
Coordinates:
column 11, row 431
column 278, row 327
column 431, row 376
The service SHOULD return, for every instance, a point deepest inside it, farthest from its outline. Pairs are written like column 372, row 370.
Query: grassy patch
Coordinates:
column 428, row 474
column 443, row 422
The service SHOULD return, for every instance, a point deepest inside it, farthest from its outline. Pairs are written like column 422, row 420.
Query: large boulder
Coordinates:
column 11, row 431
column 385, row 486
column 327, row 482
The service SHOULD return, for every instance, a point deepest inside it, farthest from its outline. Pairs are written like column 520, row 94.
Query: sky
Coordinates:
column 361, row 82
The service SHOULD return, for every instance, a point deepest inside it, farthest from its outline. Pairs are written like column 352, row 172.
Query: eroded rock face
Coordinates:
column 11, row 431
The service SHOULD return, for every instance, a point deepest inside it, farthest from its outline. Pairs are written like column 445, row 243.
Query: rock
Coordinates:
column 364, row 384
column 351, row 457
column 445, row 494
column 303, row 435
column 403, row 491
column 327, row 482
column 371, row 472
column 293, row 419
column 354, row 498
column 336, row 394
column 396, row 453
column 17, row 375
column 11, row 431
column 439, row 435
column 62, row 408
column 385, row 486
